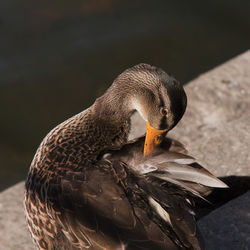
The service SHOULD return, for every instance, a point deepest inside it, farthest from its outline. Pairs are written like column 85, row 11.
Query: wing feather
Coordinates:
column 87, row 207
column 170, row 162
column 101, row 209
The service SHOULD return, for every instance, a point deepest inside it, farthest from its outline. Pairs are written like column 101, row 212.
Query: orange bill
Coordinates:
column 153, row 138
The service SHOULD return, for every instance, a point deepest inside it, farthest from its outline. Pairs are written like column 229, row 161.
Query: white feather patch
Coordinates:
column 159, row 210
column 137, row 106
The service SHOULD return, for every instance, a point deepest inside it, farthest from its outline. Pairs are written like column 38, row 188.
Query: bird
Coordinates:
column 89, row 187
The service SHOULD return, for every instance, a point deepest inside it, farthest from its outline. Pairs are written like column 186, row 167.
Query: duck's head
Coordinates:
column 158, row 97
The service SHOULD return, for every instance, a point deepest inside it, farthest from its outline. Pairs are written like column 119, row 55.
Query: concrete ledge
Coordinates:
column 215, row 129
column 228, row 227
column 13, row 229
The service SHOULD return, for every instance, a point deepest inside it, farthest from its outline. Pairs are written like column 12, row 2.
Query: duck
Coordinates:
column 89, row 187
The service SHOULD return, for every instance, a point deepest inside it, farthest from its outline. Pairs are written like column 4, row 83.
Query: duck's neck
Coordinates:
column 112, row 114
column 84, row 137
column 114, row 107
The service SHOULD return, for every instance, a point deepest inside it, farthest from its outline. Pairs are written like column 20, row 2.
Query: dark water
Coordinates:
column 56, row 57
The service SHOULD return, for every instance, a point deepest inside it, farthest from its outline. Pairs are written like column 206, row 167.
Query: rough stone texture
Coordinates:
column 216, row 126
column 215, row 129
column 14, row 233
column 226, row 152
column 228, row 227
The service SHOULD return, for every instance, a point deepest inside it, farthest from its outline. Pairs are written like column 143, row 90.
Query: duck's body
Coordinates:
column 88, row 188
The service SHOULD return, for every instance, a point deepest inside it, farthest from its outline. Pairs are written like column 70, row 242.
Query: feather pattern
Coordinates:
column 169, row 162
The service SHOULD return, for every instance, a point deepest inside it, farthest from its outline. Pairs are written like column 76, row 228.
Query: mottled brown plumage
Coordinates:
column 88, row 188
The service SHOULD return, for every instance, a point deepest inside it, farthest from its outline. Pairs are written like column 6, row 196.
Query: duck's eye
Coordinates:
column 163, row 111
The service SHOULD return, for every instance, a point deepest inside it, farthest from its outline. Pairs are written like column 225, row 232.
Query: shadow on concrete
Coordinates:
column 238, row 185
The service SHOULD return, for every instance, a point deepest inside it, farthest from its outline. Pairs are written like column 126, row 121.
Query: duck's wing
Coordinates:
column 89, row 206
column 171, row 178
column 102, row 207
column 170, row 162
column 123, row 202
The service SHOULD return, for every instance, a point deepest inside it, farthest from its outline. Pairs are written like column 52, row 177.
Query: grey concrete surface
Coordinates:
column 14, row 233
column 228, row 227
column 215, row 129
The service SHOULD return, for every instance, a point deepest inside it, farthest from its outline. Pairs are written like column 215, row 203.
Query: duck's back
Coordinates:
column 121, row 201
